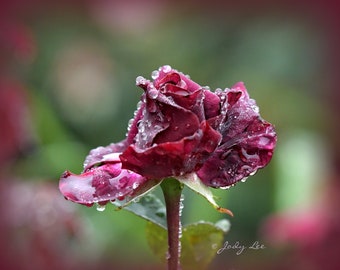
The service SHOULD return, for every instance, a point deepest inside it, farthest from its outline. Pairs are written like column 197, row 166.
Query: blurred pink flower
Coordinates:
column 16, row 133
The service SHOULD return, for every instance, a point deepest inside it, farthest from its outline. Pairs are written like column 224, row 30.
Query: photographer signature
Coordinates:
column 240, row 248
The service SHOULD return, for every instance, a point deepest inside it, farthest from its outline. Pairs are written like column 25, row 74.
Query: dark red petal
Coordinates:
column 211, row 104
column 190, row 101
column 182, row 123
column 101, row 184
column 133, row 123
column 191, row 86
column 236, row 160
column 167, row 75
column 172, row 158
column 164, row 78
column 247, row 143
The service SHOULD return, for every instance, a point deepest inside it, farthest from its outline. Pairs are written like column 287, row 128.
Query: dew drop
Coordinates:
column 135, row 185
column 253, row 173
column 167, row 255
column 155, row 74
column 140, row 80
column 182, row 84
column 243, row 180
column 139, row 105
column 215, row 183
column 218, row 91
column 255, row 108
column 120, row 196
column 100, row 208
column 227, row 187
column 153, row 93
column 130, row 124
column 166, row 68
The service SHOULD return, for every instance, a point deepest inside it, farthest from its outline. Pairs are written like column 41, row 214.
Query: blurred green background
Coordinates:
column 68, row 72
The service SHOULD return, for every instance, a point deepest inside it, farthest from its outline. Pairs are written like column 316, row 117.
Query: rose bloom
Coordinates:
column 179, row 128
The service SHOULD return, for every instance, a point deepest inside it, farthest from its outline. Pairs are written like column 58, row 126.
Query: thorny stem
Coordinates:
column 172, row 190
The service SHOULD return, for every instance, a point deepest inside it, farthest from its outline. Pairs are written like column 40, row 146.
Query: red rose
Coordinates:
column 179, row 128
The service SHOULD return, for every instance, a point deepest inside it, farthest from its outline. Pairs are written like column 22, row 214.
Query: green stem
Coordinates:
column 172, row 190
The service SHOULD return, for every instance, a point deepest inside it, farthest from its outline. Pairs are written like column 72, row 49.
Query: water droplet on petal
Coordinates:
column 182, row 84
column 120, row 196
column 155, row 74
column 140, row 80
column 167, row 255
column 166, row 68
column 139, row 105
column 218, row 91
column 100, row 208
column 244, row 179
column 255, row 108
column 253, row 173
column 135, row 185
column 153, row 93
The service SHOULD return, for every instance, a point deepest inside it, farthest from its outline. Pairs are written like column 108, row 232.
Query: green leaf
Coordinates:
column 148, row 207
column 193, row 182
column 157, row 239
column 199, row 243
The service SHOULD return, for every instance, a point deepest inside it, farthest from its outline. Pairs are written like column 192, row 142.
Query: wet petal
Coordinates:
column 172, row 158
column 102, row 184
column 238, row 158
column 101, row 154
column 211, row 104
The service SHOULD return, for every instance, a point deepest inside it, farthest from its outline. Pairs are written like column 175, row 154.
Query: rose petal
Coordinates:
column 247, row 143
column 172, row 158
column 236, row 160
column 182, row 123
column 211, row 104
column 190, row 101
column 101, row 154
column 101, row 184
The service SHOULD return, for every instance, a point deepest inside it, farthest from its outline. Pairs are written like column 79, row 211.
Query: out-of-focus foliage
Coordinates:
column 67, row 76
